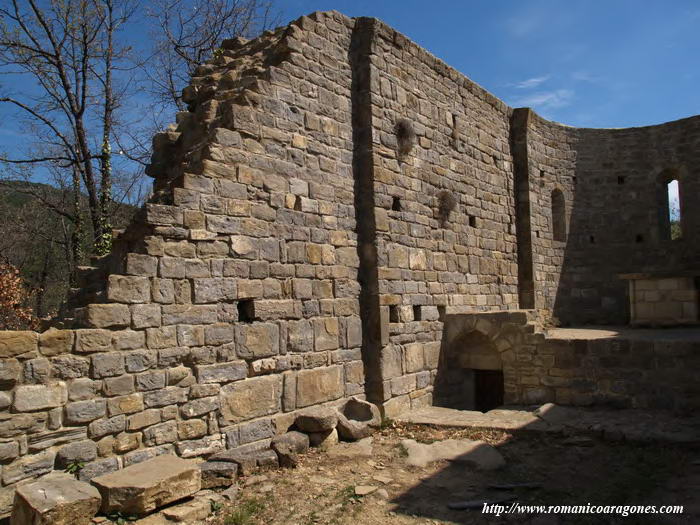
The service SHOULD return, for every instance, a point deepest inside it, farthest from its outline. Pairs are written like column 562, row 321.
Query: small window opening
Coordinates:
column 417, row 315
column 297, row 203
column 541, row 173
column 621, row 179
column 246, row 311
column 472, row 221
column 558, row 215
column 574, row 180
column 393, row 313
column 396, row 204
column 591, row 239
column 674, row 209
column 639, row 238
column 495, row 160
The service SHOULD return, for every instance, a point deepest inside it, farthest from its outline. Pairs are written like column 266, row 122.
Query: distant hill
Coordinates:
column 35, row 238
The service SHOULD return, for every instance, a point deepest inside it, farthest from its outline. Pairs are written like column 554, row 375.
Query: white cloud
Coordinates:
column 532, row 82
column 545, row 100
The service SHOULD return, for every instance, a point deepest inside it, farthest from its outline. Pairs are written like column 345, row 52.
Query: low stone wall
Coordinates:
column 579, row 367
column 664, row 301
column 110, row 399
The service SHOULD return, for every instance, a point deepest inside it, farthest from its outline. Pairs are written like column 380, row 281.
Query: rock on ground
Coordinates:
column 55, row 500
column 357, row 419
column 351, row 450
column 324, row 440
column 317, row 419
column 479, row 454
column 218, row 473
column 146, row 486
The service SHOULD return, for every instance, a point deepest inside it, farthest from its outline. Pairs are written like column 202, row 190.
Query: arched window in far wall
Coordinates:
column 558, row 215
column 674, row 209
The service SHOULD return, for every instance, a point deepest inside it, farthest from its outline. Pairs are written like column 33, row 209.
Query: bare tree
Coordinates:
column 188, row 32
column 68, row 51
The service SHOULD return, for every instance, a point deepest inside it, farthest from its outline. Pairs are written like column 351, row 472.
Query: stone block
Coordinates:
column 218, row 474
column 10, row 372
column 128, row 289
column 317, row 419
column 251, row 398
column 59, row 500
column 108, row 364
column 29, row 466
column 80, row 412
column 326, row 333
column 147, row 486
column 257, row 340
column 55, row 342
column 38, row 397
column 222, row 372
column 92, row 340
column 107, row 315
column 319, row 385
column 82, row 451
column 215, row 290
column 14, row 343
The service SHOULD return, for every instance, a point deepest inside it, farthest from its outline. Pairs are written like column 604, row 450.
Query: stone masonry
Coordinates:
column 332, row 197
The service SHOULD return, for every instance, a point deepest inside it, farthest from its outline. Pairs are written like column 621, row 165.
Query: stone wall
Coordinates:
column 332, row 195
column 614, row 184
column 662, row 301
column 579, row 367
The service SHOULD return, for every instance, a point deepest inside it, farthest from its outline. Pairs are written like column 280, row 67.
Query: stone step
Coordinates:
column 144, row 487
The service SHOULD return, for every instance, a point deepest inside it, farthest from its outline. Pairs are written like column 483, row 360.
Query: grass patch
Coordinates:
column 245, row 513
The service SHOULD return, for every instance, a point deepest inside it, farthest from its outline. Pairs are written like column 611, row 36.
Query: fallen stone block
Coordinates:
column 478, row 454
column 248, row 462
column 190, row 512
column 324, row 440
column 317, row 419
column 55, row 500
column 288, row 447
column 218, row 473
column 357, row 419
column 146, row 486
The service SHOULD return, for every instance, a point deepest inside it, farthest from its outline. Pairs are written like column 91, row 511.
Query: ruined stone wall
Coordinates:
column 232, row 301
column 444, row 207
column 332, row 194
column 614, row 183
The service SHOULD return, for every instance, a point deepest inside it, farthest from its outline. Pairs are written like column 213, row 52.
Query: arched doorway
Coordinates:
column 472, row 374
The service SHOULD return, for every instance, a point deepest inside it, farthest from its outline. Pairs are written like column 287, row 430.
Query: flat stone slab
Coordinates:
column 147, row 486
column 59, row 500
column 352, row 450
column 618, row 424
column 478, row 454
column 317, row 419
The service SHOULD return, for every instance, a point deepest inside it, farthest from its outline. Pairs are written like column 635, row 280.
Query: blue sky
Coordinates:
column 591, row 63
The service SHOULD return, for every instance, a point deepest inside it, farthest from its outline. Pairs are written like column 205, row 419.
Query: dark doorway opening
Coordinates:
column 488, row 389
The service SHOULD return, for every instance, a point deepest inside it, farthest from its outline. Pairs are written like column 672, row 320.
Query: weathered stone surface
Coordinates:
column 257, row 340
column 17, row 343
column 128, row 289
column 324, row 440
column 288, row 446
column 250, row 398
column 80, row 451
column 55, row 342
column 222, row 372
column 28, row 467
column 218, row 473
column 85, row 411
column 357, row 419
column 10, row 371
column 38, row 397
column 55, row 501
column 319, row 385
column 146, row 486
column 317, row 419
column 479, row 454
column 107, row 315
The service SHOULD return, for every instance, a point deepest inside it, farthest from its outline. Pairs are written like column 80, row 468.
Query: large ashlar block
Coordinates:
column 59, row 500
column 17, row 343
column 319, row 385
column 251, row 398
column 147, row 486
column 38, row 397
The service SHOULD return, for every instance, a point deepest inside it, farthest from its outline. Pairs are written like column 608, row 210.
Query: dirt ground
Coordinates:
column 568, row 471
